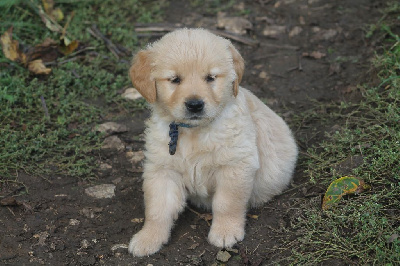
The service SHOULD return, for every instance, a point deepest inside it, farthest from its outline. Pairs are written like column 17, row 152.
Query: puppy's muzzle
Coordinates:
column 194, row 106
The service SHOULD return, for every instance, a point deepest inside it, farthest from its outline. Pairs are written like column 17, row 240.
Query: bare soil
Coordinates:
column 56, row 223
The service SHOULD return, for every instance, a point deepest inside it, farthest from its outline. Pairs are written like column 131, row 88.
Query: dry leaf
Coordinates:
column 55, row 13
column 314, row 54
column 47, row 51
column 48, row 6
column 68, row 49
column 194, row 246
column 206, row 217
column 9, row 201
column 137, row 220
column 11, row 47
column 295, row 31
column 236, row 25
column 50, row 23
column 37, row 67
column 252, row 216
column 274, row 31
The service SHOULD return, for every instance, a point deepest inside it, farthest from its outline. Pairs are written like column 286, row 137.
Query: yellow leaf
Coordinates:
column 57, row 14
column 67, row 49
column 252, row 216
column 48, row 6
column 37, row 67
column 11, row 47
column 137, row 220
column 65, row 41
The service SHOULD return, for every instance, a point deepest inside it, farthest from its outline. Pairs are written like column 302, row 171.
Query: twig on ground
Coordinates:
column 206, row 217
column 46, row 111
column 64, row 30
column 155, row 27
column 236, row 37
column 11, row 211
column 151, row 34
column 94, row 31
column 70, row 59
column 278, row 46
column 265, row 56
column 299, row 66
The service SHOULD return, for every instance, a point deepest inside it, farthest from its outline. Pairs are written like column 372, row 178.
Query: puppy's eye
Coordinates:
column 175, row 80
column 210, row 78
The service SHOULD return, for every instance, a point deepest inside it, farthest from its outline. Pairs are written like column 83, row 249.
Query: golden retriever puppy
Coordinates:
column 207, row 140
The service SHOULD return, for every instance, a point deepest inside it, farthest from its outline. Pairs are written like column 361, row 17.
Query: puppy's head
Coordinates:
column 189, row 75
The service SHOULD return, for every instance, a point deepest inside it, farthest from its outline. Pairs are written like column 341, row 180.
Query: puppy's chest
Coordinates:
column 197, row 165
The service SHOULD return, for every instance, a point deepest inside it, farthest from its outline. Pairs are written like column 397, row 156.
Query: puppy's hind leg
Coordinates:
column 164, row 198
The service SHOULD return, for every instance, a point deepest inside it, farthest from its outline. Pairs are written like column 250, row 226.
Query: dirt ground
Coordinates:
column 319, row 53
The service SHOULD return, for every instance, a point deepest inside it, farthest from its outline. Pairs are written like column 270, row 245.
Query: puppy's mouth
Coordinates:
column 195, row 117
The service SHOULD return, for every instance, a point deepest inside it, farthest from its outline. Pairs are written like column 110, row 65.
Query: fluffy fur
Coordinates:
column 238, row 154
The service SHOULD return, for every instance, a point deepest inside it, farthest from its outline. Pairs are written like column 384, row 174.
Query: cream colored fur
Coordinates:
column 239, row 154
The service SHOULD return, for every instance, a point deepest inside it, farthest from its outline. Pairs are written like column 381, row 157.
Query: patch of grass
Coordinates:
column 362, row 229
column 78, row 92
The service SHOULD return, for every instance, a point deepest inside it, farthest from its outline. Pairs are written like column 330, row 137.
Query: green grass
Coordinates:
column 78, row 92
column 362, row 229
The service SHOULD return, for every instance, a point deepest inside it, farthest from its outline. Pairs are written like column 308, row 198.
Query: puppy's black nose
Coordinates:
column 194, row 106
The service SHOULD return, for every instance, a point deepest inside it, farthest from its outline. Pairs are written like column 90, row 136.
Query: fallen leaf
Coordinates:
column 206, row 216
column 50, row 23
column 48, row 6
column 236, row 25
column 9, row 201
column 252, row 216
column 223, row 256
column 68, row 49
column 55, row 13
column 314, row 54
column 11, row 47
column 194, row 246
column 295, row 31
column 37, row 67
column 273, row 31
column 137, row 220
column 46, row 51
column 343, row 186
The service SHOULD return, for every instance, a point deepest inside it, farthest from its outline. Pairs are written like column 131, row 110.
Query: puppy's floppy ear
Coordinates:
column 238, row 64
column 140, row 76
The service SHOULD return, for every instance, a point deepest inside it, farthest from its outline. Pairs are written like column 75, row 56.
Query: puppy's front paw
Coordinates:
column 225, row 235
column 146, row 242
